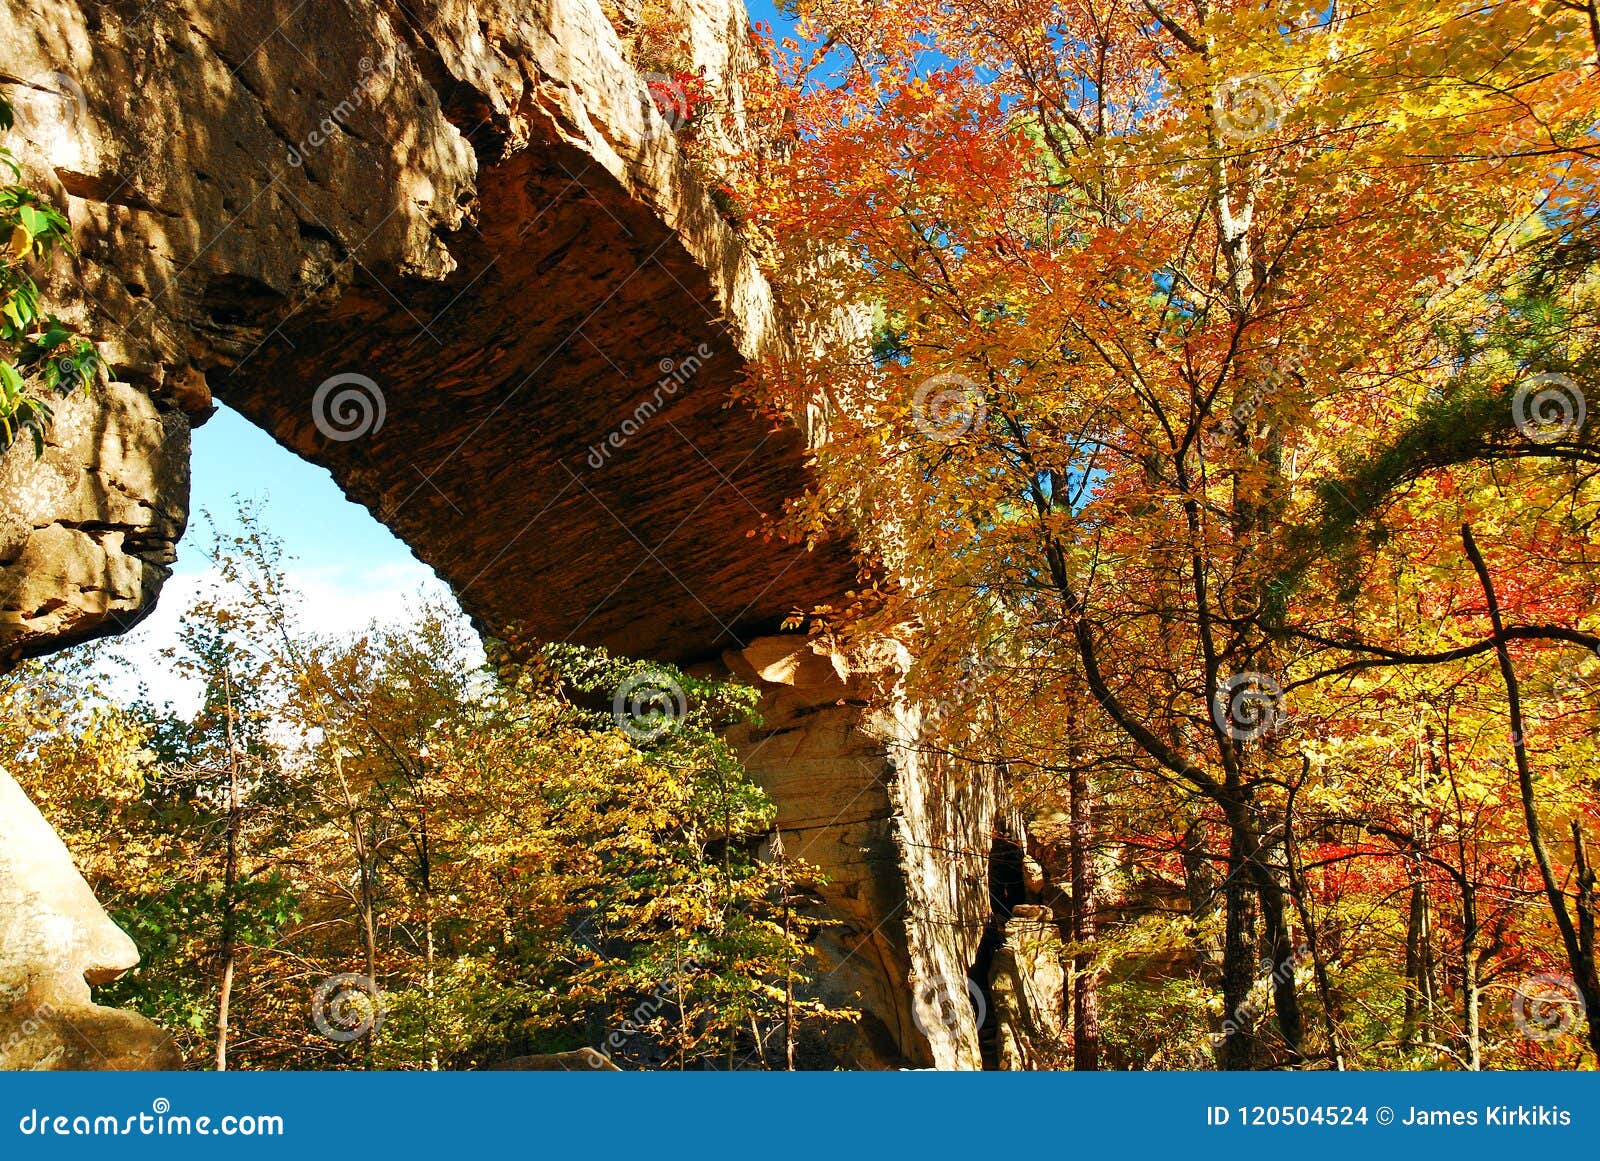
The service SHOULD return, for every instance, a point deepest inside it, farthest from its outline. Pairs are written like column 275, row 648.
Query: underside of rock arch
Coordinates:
column 450, row 251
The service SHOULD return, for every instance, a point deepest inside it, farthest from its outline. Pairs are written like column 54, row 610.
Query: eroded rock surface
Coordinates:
column 54, row 942
column 88, row 529
column 892, row 829
column 1027, row 988
column 451, row 251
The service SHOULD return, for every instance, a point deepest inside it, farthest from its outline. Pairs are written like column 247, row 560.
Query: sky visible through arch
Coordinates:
column 351, row 568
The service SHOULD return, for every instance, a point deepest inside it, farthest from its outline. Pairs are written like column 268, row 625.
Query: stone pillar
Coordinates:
column 1027, row 985
column 55, row 941
column 902, row 838
column 89, row 529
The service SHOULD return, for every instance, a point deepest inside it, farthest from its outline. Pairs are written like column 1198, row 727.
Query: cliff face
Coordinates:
column 451, row 251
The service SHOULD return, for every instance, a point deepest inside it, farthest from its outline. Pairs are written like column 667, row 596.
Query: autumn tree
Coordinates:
column 1179, row 314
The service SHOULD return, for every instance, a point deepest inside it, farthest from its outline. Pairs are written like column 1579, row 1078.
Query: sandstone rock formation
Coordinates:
column 893, row 830
column 88, row 530
column 1027, row 989
column 54, row 942
column 451, row 251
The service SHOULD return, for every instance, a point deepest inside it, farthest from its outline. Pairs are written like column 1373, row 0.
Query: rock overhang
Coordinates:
column 469, row 221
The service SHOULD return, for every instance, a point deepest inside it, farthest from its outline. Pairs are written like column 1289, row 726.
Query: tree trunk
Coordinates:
column 788, row 977
column 1085, row 1002
column 1470, row 986
column 1419, row 967
column 1238, row 958
column 230, row 879
column 366, row 902
column 1579, row 957
column 1280, row 941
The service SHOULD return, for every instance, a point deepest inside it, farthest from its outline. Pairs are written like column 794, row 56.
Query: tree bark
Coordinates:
column 230, row 879
column 1085, row 1001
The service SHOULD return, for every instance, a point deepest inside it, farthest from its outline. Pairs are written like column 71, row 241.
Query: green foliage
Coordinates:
column 40, row 357
column 515, row 866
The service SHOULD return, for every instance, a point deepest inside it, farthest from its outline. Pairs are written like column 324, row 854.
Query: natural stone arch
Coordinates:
column 499, row 239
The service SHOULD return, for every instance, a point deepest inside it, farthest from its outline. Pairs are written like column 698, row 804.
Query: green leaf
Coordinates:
column 34, row 220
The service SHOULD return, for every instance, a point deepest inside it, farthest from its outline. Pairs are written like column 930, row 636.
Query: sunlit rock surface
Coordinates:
column 54, row 942
column 451, row 251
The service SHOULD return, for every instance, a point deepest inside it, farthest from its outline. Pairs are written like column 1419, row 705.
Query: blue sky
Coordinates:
column 351, row 567
column 299, row 501
column 303, row 506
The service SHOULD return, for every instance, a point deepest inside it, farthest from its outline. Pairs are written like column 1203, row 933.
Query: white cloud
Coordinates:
column 335, row 601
